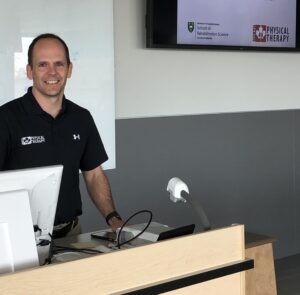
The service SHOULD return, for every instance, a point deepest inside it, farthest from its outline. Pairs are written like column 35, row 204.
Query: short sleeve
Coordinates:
column 94, row 152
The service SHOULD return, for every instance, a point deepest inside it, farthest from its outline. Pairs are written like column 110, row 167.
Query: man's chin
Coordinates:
column 48, row 93
column 53, row 92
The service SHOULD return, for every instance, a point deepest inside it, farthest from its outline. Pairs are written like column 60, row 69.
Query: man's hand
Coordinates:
column 115, row 223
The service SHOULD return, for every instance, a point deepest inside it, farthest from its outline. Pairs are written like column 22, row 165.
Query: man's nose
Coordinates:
column 52, row 69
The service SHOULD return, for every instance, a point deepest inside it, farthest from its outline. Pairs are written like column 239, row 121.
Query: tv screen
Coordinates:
column 219, row 24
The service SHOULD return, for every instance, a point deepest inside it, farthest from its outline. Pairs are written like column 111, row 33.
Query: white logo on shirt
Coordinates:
column 32, row 140
column 76, row 136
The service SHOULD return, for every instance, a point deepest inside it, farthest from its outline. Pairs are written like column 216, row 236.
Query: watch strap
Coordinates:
column 111, row 215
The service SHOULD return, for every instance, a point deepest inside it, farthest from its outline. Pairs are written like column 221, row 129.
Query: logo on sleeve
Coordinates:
column 32, row 140
column 76, row 136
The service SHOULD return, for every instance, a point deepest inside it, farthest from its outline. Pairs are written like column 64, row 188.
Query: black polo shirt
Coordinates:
column 29, row 137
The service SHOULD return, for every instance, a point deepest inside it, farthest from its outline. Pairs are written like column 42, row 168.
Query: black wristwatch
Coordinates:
column 112, row 215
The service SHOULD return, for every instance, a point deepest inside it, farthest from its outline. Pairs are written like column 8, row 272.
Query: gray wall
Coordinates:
column 243, row 168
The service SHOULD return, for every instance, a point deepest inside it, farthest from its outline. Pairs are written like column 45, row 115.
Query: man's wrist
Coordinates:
column 111, row 215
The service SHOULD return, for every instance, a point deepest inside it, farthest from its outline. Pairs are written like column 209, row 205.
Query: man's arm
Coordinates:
column 99, row 190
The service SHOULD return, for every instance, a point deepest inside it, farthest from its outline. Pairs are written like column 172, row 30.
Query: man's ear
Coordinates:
column 70, row 70
column 29, row 72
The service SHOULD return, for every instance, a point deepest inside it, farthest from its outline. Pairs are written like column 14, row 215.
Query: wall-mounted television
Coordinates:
column 224, row 24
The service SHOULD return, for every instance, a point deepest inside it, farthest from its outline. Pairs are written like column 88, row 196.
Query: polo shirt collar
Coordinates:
column 32, row 106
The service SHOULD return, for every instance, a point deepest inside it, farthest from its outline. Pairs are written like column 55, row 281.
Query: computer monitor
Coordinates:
column 41, row 187
column 17, row 241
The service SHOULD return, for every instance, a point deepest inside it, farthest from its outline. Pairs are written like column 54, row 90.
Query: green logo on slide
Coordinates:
column 191, row 27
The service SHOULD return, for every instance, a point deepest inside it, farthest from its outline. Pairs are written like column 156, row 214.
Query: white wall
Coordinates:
column 151, row 82
column 88, row 32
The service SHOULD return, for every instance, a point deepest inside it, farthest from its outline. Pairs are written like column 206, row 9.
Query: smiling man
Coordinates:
column 44, row 128
column 49, row 67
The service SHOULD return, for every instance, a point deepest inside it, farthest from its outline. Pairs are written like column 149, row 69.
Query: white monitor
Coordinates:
column 40, row 186
column 17, row 241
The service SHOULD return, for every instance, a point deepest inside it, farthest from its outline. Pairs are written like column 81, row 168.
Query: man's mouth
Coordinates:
column 52, row 82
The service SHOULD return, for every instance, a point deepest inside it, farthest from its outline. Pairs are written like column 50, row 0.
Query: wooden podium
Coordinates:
column 260, row 280
column 212, row 262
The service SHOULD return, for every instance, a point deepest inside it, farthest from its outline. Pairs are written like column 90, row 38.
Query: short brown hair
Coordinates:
column 47, row 36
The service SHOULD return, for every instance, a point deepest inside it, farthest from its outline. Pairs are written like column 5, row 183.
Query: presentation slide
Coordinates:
column 262, row 23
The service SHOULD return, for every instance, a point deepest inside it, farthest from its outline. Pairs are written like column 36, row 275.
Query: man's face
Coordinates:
column 49, row 70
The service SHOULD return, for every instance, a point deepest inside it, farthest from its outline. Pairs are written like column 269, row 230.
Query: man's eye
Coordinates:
column 60, row 64
column 42, row 65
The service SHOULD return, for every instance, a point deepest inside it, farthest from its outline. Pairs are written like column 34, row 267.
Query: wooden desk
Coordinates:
column 261, row 279
column 189, row 261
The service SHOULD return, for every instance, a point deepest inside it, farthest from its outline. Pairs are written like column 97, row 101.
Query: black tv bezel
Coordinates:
column 167, row 40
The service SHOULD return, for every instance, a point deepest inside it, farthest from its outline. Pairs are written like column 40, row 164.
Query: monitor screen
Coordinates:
column 17, row 241
column 42, row 187
column 219, row 24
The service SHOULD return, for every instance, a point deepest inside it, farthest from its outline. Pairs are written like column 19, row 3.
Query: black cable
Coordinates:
column 140, row 233
column 83, row 250
column 48, row 260
column 55, row 249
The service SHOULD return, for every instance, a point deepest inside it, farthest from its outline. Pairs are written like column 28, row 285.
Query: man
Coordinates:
column 43, row 128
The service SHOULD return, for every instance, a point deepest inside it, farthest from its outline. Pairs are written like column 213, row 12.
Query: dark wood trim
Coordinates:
column 211, row 274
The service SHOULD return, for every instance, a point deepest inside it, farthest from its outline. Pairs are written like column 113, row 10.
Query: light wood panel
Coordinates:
column 261, row 279
column 139, row 267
